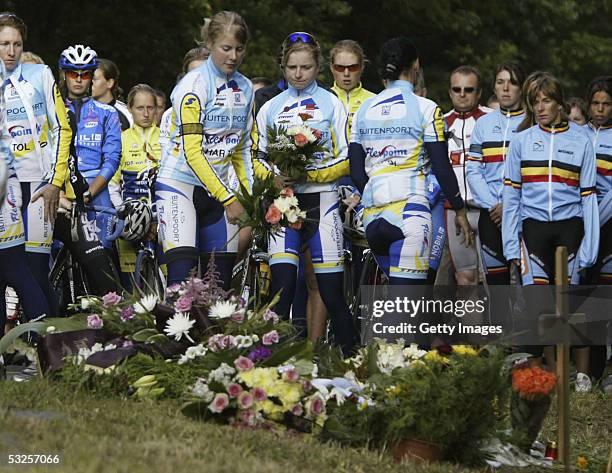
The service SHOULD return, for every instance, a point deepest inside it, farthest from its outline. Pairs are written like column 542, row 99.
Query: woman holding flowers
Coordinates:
column 309, row 114
column 197, row 208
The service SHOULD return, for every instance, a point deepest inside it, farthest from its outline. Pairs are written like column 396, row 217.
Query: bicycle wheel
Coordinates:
column 148, row 276
column 67, row 280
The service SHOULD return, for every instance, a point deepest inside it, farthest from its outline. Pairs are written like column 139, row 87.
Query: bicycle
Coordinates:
column 251, row 276
column 148, row 277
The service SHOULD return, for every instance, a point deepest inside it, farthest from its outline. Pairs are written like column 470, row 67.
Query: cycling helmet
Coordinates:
column 78, row 57
column 137, row 220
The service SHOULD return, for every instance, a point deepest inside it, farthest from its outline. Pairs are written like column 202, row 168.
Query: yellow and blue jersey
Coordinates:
column 352, row 101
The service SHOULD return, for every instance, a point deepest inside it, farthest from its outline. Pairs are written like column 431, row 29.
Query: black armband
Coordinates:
column 191, row 129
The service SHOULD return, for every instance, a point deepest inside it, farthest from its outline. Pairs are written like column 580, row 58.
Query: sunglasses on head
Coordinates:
column 300, row 36
column 84, row 75
column 342, row 68
column 467, row 90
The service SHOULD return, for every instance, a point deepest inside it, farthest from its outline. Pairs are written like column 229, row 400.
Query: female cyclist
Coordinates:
column 196, row 207
column 318, row 196
column 395, row 136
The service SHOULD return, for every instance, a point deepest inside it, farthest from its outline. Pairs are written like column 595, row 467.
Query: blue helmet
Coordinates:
column 78, row 57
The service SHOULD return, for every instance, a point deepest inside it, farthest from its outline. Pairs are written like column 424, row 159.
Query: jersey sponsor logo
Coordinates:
column 496, row 129
column 538, row 146
column 18, row 130
column 565, row 151
column 22, row 110
column 189, row 101
column 214, row 118
column 388, row 151
column 306, row 104
column 233, row 85
column 90, row 123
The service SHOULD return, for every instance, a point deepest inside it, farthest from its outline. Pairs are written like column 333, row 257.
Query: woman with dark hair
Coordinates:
column 105, row 89
column 301, row 62
column 395, row 137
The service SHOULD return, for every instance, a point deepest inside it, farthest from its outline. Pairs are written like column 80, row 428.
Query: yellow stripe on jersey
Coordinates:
column 60, row 169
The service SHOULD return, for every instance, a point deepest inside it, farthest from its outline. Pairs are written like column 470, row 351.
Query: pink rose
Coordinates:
column 183, row 304
column 233, row 389
column 245, row 400
column 127, row 313
column 300, row 140
column 238, row 316
column 270, row 338
column 173, row 289
column 273, row 215
column 287, row 192
column 316, row 405
column 297, row 410
column 306, row 385
column 112, row 298
column 259, row 394
column 291, row 375
column 242, row 363
column 94, row 321
column 247, row 416
column 219, row 403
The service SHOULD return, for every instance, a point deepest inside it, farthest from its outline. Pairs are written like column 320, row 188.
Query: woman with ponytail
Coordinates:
column 396, row 139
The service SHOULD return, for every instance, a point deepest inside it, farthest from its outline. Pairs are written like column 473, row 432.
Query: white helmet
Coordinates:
column 78, row 57
column 138, row 219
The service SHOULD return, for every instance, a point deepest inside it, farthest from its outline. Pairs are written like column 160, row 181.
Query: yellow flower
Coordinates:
column 582, row 462
column 434, row 356
column 465, row 350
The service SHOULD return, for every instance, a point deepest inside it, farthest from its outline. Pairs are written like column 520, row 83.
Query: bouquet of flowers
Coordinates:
column 292, row 150
column 529, row 404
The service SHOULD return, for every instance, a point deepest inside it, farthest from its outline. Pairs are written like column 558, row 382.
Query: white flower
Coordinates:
column 51, row 329
column 201, row 389
column 193, row 352
column 243, row 341
column 413, row 353
column 146, row 304
column 179, row 325
column 86, row 302
column 182, row 360
column 222, row 310
column 283, row 204
column 222, row 374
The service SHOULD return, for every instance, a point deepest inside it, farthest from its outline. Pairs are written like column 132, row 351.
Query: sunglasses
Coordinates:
column 351, row 68
column 84, row 75
column 466, row 90
column 300, row 36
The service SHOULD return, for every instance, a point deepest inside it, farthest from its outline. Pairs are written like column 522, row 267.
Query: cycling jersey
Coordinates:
column 38, row 124
column 98, row 137
column 550, row 176
column 352, row 100
column 459, row 128
column 140, row 154
column 212, row 119
column 488, row 148
column 601, row 137
column 393, row 142
column 327, row 115
column 125, row 117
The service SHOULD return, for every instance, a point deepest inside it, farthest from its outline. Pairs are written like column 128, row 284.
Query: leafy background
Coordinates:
column 570, row 38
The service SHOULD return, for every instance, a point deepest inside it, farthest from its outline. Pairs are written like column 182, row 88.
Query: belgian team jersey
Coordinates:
column 550, row 176
column 601, row 137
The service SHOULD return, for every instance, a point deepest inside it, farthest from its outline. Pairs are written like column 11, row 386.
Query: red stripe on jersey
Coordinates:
column 494, row 158
column 544, row 178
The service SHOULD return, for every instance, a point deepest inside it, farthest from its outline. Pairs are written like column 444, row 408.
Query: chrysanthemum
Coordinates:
column 222, row 310
column 179, row 325
column 146, row 304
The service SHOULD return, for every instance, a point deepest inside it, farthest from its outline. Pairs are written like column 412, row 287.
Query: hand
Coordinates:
column 496, row 214
column 351, row 202
column 463, row 226
column 50, row 194
column 65, row 205
column 234, row 211
column 516, row 262
column 282, row 181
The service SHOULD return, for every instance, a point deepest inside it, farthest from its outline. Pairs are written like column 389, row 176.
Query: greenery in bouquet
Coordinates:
column 532, row 389
column 294, row 149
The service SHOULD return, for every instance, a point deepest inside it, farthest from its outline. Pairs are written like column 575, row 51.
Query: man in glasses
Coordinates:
column 39, row 139
column 465, row 91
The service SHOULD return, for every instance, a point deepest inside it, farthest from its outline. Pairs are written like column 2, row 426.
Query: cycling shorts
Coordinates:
column 492, row 246
column 541, row 240
column 321, row 232
column 192, row 221
column 38, row 231
column 11, row 223
column 102, row 222
column 399, row 234
column 462, row 258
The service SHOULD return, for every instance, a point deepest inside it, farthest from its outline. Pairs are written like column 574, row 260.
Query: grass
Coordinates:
column 95, row 434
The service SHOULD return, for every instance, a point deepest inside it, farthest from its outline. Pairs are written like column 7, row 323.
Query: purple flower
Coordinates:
column 245, row 400
column 112, row 298
column 243, row 363
column 270, row 338
column 173, row 289
column 183, row 304
column 270, row 315
column 94, row 321
column 127, row 313
column 259, row 353
column 238, row 316
column 127, row 343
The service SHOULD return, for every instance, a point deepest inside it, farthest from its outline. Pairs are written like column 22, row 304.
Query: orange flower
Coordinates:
column 533, row 383
column 273, row 215
column 287, row 192
column 301, row 139
column 582, row 463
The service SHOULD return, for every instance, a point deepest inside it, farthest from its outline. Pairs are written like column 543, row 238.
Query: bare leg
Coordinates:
column 316, row 313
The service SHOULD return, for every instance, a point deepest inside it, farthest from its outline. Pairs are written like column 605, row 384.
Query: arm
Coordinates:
column 357, row 165
column 260, row 143
column 511, row 199
column 337, row 165
column 241, row 156
column 111, row 147
column 475, row 172
column 587, row 254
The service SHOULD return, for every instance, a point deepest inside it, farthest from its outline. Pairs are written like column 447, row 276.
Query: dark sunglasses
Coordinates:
column 467, row 90
column 84, row 75
column 351, row 68
column 300, row 36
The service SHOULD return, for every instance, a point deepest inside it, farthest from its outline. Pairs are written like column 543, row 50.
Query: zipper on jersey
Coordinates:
column 550, row 156
column 501, row 189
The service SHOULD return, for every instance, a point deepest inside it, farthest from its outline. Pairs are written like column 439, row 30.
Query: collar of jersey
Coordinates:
column 602, row 127
column 512, row 113
column 309, row 90
column 83, row 100
column 336, row 88
column 560, row 128
column 216, row 71
column 469, row 114
column 16, row 71
column 404, row 84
